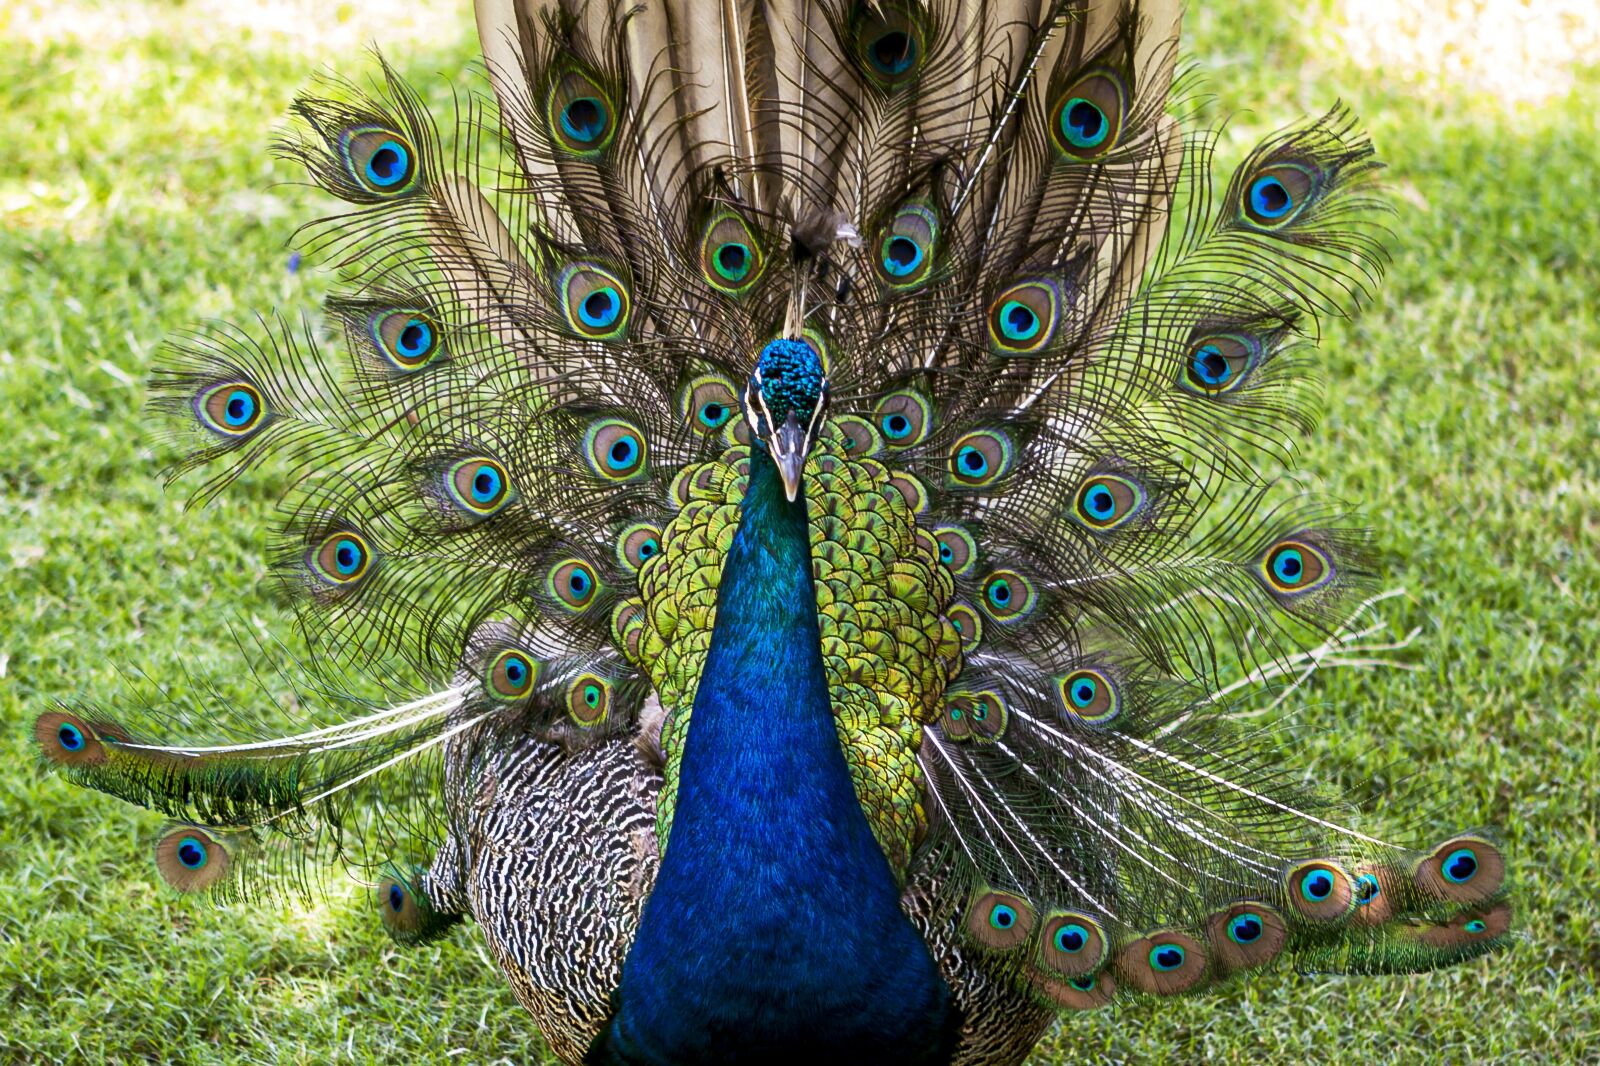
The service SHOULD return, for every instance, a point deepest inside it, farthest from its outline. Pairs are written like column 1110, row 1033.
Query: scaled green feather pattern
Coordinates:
column 889, row 650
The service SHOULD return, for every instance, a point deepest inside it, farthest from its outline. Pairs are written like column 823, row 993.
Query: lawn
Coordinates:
column 136, row 196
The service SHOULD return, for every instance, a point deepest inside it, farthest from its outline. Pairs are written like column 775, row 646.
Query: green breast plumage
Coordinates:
column 882, row 597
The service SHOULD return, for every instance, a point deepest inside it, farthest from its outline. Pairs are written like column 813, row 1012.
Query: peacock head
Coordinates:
column 784, row 403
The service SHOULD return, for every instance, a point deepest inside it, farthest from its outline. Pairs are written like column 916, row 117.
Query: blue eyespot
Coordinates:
column 1220, row 362
column 1367, row 889
column 1475, row 926
column 1007, row 595
column 1018, row 322
column 341, row 558
column 614, row 449
column 584, row 119
column 239, row 410
column 1083, row 124
column 1460, row 866
column 1002, row 916
column 1091, row 697
column 415, row 340
column 510, row 675
column 1288, row 565
column 70, row 736
column 893, row 53
column 347, row 556
column 1165, row 958
column 579, row 584
column 1269, row 199
column 1071, row 938
column 1295, row 566
column 594, row 300
column 397, row 898
column 901, row 256
column 389, row 165
column 600, row 308
column 1245, row 928
column 904, row 417
column 1086, row 119
column 232, row 409
column 486, row 484
column 624, row 451
column 587, row 700
column 1316, row 886
column 480, row 486
column 1209, row 367
column 191, row 853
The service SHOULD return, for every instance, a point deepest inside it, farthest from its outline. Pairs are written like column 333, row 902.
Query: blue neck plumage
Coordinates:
column 774, row 926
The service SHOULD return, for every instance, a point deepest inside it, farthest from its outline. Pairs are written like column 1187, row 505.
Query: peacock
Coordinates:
column 797, row 474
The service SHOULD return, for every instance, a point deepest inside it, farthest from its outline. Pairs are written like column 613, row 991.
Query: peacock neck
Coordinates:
column 774, row 927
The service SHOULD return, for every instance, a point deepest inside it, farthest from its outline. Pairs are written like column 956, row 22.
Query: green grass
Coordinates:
column 136, row 196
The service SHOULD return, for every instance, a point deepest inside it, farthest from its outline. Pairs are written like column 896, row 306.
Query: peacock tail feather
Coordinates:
column 1064, row 369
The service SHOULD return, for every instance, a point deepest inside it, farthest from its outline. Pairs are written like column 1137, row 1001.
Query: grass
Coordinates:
column 137, row 197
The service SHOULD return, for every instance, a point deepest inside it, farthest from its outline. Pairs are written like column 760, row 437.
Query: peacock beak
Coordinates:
column 790, row 445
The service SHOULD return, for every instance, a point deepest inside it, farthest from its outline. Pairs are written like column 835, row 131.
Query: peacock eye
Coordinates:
column 906, row 248
column 191, row 853
column 707, row 404
column 407, row 340
column 904, row 417
column 1088, row 116
column 231, row 409
column 573, row 584
column 967, row 623
column 1073, row 944
column 1167, row 957
column 1023, row 318
column 1220, row 363
column 890, row 45
column 595, row 301
column 588, row 697
column 638, row 544
column 1320, row 889
column 1292, row 567
column 614, row 449
column 1000, row 920
column 957, row 549
column 980, row 459
column 511, row 674
column 1245, row 928
column 190, row 860
column 1090, row 696
column 480, row 486
column 580, row 114
column 1276, row 194
column 731, row 256
column 341, row 558
column 380, row 160
column 1106, row 502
